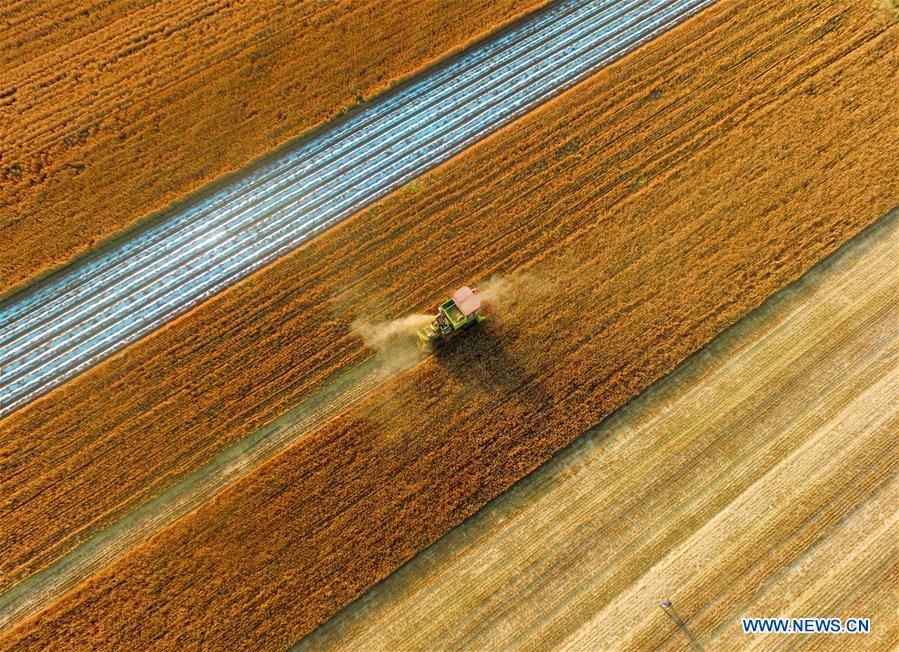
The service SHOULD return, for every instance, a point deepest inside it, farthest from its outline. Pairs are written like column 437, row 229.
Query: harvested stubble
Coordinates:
column 109, row 112
column 686, row 190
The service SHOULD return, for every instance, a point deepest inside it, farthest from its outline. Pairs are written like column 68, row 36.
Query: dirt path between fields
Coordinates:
column 581, row 552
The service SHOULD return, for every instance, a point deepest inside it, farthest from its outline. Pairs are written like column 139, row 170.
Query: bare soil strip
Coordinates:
column 772, row 519
column 686, row 190
column 109, row 112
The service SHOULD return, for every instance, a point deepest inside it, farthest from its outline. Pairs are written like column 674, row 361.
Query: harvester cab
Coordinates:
column 461, row 311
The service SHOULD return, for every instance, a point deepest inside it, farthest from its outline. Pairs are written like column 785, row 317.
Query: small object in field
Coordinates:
column 460, row 312
column 668, row 608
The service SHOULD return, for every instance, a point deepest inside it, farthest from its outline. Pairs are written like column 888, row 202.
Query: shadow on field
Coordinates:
column 482, row 358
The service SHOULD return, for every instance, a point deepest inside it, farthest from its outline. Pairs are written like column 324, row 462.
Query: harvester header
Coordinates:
column 460, row 312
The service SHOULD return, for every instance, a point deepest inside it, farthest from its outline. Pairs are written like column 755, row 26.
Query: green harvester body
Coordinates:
column 460, row 312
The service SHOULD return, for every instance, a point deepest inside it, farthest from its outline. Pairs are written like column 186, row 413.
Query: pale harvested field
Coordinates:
column 110, row 111
column 759, row 479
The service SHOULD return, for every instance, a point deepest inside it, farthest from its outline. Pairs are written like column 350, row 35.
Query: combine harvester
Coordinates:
column 460, row 312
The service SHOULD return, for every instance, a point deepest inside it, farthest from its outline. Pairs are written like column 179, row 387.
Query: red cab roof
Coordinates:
column 467, row 300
